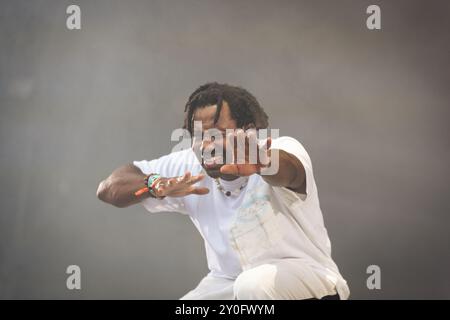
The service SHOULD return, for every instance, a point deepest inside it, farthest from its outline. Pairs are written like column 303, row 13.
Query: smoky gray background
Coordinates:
column 371, row 107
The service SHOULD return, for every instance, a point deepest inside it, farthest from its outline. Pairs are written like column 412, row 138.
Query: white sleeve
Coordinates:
column 171, row 165
column 295, row 148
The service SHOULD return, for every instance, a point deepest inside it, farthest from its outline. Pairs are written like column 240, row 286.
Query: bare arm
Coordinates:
column 120, row 187
column 291, row 173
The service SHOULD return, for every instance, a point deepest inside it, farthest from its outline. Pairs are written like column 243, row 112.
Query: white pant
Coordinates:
column 282, row 279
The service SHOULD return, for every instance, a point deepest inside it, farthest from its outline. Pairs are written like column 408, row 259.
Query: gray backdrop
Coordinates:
column 371, row 107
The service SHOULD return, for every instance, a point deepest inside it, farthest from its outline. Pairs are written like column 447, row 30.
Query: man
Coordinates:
column 264, row 233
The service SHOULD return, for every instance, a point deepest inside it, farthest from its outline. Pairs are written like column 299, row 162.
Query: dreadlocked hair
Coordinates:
column 244, row 107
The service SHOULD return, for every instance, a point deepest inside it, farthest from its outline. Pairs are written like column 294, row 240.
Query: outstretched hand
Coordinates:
column 179, row 186
column 243, row 163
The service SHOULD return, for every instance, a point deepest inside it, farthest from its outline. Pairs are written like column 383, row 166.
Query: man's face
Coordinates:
column 225, row 121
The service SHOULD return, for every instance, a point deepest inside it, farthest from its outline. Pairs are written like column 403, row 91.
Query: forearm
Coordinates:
column 119, row 188
column 290, row 174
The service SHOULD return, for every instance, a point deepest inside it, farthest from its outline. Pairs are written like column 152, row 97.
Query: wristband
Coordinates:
column 149, row 182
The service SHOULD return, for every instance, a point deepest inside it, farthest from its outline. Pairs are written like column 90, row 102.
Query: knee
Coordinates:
column 277, row 281
column 251, row 285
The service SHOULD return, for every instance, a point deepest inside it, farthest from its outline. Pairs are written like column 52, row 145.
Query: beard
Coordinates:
column 212, row 171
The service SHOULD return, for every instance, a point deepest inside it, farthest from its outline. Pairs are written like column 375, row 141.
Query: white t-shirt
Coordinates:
column 260, row 224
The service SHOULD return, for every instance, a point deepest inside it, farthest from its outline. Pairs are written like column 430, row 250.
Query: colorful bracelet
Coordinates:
column 149, row 183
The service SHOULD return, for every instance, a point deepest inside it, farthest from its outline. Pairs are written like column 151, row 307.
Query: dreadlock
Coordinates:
column 244, row 107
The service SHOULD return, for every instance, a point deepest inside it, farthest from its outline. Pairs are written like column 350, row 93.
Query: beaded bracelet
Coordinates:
column 149, row 183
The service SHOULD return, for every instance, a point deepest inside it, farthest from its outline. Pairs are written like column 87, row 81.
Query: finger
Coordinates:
column 252, row 146
column 195, row 179
column 230, row 169
column 242, row 170
column 251, row 135
column 160, row 189
column 198, row 191
column 184, row 177
column 171, row 182
column 230, row 154
column 269, row 143
column 240, row 145
column 264, row 158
